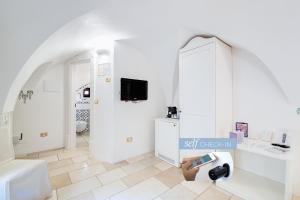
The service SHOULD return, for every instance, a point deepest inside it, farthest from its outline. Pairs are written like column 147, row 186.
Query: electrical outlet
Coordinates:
column 44, row 134
column 129, row 139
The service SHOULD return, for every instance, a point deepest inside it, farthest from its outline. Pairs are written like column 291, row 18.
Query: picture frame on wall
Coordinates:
column 243, row 127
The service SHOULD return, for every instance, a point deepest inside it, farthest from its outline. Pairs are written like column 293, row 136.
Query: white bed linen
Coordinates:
column 24, row 180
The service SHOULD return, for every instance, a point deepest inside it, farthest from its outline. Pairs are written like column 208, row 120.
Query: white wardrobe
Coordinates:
column 205, row 90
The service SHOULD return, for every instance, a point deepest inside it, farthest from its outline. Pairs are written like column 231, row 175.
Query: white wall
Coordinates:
column 43, row 113
column 37, row 22
column 4, row 144
column 259, row 101
column 81, row 74
column 115, row 120
column 102, row 141
column 135, row 119
column 6, row 149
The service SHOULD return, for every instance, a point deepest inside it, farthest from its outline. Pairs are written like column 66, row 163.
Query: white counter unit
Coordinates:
column 261, row 173
column 167, row 140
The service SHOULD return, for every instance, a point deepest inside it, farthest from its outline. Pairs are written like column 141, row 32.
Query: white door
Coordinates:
column 197, row 92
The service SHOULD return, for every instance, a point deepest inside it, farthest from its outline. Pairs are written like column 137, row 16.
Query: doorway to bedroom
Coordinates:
column 81, row 95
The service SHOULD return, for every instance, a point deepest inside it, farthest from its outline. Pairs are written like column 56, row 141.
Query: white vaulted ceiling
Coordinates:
column 36, row 32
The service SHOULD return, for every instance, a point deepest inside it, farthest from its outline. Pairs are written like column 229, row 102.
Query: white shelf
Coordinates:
column 264, row 149
column 253, row 187
column 171, row 120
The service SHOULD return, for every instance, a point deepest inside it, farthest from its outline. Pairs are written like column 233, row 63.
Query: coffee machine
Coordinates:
column 172, row 112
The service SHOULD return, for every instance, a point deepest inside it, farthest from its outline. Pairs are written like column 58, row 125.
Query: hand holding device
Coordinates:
column 190, row 166
column 188, row 171
column 222, row 166
column 203, row 160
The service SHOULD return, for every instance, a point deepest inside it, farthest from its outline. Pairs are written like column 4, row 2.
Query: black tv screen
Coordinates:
column 134, row 90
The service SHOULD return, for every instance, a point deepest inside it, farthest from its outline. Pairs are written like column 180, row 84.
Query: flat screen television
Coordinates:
column 134, row 90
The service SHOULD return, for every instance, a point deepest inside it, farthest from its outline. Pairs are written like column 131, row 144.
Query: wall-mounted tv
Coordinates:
column 134, row 90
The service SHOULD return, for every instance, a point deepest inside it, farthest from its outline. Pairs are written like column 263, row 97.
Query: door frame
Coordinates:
column 70, row 110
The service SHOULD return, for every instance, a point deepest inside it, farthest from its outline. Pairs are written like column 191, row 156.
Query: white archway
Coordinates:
column 157, row 33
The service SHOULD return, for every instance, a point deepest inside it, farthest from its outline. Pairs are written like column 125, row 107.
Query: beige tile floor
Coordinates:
column 75, row 175
column 82, row 139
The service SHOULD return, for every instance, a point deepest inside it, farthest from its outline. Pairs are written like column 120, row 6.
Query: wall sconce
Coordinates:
column 24, row 96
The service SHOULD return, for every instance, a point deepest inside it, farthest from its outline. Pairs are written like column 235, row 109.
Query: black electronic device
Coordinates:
column 172, row 112
column 134, row 90
column 281, row 145
column 86, row 92
column 219, row 172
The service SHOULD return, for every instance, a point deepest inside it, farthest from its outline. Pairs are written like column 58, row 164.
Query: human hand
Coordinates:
column 188, row 172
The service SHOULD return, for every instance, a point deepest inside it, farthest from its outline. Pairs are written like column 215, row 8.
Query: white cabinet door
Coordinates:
column 167, row 141
column 197, row 92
